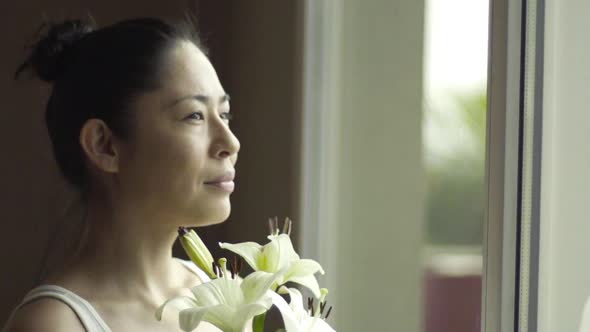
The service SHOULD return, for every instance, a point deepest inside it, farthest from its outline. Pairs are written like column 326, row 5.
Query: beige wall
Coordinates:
column 381, row 177
column 256, row 51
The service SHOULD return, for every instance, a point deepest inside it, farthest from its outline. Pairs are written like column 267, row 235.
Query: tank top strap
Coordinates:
column 88, row 316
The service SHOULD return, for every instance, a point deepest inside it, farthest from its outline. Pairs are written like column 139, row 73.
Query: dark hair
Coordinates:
column 97, row 73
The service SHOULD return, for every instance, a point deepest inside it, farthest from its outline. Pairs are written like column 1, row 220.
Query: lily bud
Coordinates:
column 197, row 251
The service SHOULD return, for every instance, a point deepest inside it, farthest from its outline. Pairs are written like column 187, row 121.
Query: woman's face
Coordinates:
column 179, row 162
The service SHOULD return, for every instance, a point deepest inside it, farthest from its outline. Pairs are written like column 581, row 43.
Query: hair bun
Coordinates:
column 49, row 56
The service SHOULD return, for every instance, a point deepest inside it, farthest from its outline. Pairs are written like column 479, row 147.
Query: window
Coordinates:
column 414, row 196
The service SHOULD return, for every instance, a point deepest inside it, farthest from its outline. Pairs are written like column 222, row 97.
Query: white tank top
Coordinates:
column 90, row 319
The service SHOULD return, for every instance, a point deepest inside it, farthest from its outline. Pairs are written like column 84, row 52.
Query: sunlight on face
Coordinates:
column 181, row 142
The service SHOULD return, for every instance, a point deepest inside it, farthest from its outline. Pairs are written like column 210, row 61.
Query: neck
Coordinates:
column 128, row 252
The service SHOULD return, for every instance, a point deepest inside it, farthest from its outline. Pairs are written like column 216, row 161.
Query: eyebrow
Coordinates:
column 202, row 98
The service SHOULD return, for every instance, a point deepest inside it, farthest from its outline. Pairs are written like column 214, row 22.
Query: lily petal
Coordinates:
column 295, row 302
column 285, row 253
column 315, row 324
column 179, row 303
column 190, row 318
column 295, row 317
column 220, row 316
column 247, row 312
column 304, row 267
column 308, row 281
column 249, row 251
column 289, row 318
column 258, row 283
column 210, row 293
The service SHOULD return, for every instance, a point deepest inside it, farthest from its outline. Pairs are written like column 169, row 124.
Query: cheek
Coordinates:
column 169, row 165
column 186, row 163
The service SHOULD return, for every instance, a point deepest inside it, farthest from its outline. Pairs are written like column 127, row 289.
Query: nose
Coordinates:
column 225, row 143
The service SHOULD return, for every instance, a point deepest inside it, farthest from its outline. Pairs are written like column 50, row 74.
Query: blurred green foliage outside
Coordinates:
column 456, row 183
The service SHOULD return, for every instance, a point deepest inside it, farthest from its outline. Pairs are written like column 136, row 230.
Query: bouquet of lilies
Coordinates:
column 236, row 304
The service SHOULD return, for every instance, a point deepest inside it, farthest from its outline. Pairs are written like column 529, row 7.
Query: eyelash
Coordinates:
column 228, row 116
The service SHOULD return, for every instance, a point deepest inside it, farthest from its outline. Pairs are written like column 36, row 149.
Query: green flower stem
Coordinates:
column 258, row 323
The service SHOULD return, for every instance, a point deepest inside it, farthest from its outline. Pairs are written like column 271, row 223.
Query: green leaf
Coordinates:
column 258, row 323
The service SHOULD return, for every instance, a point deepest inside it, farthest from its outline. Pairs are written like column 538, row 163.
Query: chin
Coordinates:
column 207, row 222
column 213, row 222
column 211, row 217
column 204, row 210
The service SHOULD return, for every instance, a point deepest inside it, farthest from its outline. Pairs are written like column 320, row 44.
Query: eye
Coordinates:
column 195, row 116
column 227, row 116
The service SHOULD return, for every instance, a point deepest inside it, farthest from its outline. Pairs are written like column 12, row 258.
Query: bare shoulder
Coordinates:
column 45, row 314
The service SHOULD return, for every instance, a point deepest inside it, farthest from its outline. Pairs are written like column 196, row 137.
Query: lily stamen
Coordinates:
column 236, row 267
column 222, row 262
column 233, row 268
column 286, row 225
column 218, row 270
column 328, row 313
column 311, row 307
column 276, row 220
column 271, row 226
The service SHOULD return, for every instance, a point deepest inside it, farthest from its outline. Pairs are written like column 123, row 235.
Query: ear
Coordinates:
column 98, row 143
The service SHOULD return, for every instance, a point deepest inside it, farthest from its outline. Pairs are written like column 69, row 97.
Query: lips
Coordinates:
column 225, row 177
column 224, row 182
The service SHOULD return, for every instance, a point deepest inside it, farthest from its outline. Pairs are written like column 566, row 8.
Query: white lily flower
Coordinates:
column 296, row 317
column 227, row 302
column 279, row 255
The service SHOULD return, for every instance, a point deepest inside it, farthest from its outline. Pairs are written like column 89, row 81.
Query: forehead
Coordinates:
column 188, row 71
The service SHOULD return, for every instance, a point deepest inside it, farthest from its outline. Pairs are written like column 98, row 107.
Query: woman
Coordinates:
column 139, row 124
